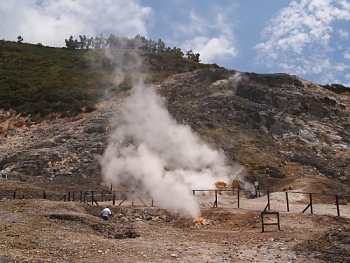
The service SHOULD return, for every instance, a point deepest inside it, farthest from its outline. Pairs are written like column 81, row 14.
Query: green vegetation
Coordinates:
column 138, row 42
column 337, row 88
column 48, row 82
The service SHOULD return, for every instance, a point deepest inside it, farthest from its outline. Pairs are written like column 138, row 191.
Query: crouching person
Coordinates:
column 105, row 213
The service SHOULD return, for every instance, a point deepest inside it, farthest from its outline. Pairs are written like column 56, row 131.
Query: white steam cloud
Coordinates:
column 149, row 150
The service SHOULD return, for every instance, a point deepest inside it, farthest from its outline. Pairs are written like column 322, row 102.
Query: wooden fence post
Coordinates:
column 337, row 204
column 216, row 199
column 311, row 203
column 287, row 201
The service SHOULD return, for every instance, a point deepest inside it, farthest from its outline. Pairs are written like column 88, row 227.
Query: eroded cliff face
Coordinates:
column 281, row 127
column 285, row 130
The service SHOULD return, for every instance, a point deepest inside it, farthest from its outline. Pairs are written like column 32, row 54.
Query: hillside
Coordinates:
column 47, row 82
column 286, row 131
column 282, row 128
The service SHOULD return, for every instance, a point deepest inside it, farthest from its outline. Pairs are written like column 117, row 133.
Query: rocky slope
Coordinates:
column 57, row 154
column 280, row 126
column 286, row 131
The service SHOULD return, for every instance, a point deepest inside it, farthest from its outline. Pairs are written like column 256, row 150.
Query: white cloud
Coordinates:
column 213, row 38
column 211, row 49
column 317, row 65
column 341, row 67
column 52, row 21
column 343, row 34
column 299, row 38
column 347, row 54
column 197, row 25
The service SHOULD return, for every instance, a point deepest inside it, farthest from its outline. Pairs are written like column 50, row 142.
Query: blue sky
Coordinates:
column 307, row 38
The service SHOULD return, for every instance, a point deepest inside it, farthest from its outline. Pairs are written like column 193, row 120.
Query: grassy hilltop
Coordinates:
column 48, row 82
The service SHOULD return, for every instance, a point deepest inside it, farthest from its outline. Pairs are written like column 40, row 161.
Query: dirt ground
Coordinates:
column 38, row 230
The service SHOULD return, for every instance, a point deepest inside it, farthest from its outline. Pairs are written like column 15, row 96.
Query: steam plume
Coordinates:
column 149, row 150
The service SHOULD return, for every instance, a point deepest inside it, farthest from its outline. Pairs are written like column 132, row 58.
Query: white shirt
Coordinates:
column 106, row 212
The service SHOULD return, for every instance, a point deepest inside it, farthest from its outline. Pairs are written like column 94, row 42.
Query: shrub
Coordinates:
column 90, row 108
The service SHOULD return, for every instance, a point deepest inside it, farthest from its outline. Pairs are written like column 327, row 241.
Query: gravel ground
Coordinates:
column 47, row 231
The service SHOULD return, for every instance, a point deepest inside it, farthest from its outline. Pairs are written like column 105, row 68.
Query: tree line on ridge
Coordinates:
column 137, row 42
